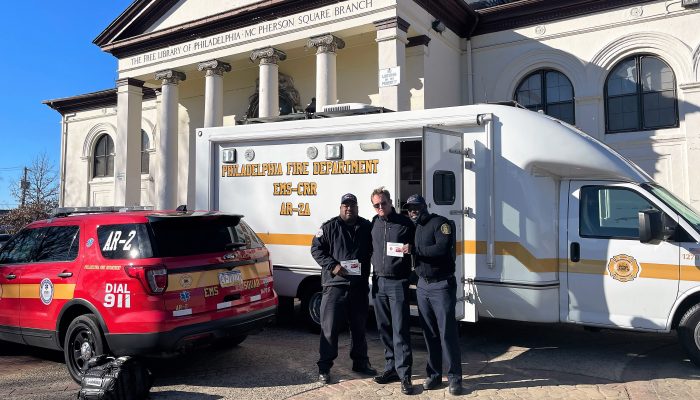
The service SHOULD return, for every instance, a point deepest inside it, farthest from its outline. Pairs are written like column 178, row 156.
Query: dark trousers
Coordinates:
column 436, row 310
column 338, row 305
column 391, row 306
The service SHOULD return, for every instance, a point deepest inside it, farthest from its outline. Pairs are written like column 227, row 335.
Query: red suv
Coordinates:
column 93, row 280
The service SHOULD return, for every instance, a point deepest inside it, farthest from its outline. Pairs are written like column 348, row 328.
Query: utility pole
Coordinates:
column 24, row 185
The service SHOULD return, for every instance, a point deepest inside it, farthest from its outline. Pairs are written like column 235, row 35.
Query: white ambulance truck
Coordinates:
column 552, row 225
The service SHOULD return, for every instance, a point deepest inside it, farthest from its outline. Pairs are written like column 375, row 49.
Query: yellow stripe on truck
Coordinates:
column 523, row 255
column 61, row 291
column 289, row 239
column 513, row 249
column 177, row 281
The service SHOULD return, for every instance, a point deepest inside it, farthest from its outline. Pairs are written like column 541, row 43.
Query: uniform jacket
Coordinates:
column 337, row 241
column 397, row 229
column 434, row 247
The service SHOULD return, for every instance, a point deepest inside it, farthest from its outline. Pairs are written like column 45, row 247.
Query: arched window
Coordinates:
column 549, row 91
column 103, row 160
column 640, row 95
column 145, row 155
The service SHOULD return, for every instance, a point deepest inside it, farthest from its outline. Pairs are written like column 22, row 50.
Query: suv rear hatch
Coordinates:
column 213, row 261
column 204, row 262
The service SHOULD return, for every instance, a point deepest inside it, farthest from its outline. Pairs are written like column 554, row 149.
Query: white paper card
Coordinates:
column 394, row 249
column 352, row 266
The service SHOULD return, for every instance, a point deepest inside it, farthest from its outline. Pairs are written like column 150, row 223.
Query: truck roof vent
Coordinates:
column 334, row 110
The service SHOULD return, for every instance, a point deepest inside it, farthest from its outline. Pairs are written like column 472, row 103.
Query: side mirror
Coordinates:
column 650, row 226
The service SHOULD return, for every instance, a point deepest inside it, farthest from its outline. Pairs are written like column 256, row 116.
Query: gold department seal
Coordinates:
column 623, row 268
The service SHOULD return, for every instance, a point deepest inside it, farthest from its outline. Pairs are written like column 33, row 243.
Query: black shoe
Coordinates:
column 386, row 377
column 364, row 368
column 406, row 385
column 324, row 377
column 455, row 388
column 432, row 382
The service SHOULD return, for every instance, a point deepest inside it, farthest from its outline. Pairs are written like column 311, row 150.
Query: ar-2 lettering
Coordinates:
column 114, row 240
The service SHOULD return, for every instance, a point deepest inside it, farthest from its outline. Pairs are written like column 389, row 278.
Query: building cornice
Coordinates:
column 455, row 14
column 91, row 101
column 522, row 13
column 125, row 36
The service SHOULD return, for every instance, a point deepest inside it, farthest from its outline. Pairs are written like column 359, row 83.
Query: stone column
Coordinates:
column 417, row 61
column 391, row 44
column 687, row 112
column 127, row 144
column 326, row 78
column 214, row 91
column 268, row 94
column 166, row 173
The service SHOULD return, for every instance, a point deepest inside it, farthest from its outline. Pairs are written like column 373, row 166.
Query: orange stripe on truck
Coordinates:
column 527, row 259
column 61, row 291
column 290, row 239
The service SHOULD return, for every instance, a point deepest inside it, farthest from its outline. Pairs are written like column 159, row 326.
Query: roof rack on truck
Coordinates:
column 66, row 211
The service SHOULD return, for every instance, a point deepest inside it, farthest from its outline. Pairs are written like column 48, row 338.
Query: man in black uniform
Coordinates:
column 436, row 293
column 392, row 239
column 342, row 247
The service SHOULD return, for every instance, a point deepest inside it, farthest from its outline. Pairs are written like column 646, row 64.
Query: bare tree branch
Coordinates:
column 41, row 196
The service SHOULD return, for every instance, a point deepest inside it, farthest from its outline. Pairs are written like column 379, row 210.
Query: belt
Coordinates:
column 436, row 279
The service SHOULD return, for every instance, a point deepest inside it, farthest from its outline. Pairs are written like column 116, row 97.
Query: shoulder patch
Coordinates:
column 319, row 233
column 446, row 228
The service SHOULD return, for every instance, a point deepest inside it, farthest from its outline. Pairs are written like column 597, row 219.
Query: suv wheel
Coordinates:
column 84, row 340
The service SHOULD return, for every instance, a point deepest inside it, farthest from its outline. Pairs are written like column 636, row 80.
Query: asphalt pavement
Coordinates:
column 501, row 360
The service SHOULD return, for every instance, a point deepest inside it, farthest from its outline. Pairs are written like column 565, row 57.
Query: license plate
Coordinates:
column 230, row 278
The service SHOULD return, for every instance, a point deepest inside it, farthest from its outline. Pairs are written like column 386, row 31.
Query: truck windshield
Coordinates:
column 688, row 213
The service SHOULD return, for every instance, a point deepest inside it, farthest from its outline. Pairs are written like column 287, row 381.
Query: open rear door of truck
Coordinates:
column 444, row 157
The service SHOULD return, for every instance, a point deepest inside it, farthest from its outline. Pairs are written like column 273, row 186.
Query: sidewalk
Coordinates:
column 545, row 362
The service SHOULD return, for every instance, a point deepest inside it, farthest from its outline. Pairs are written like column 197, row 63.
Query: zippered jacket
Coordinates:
column 337, row 241
column 396, row 228
column 434, row 247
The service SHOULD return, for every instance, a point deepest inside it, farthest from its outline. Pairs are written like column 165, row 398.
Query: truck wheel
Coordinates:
column 84, row 340
column 311, row 310
column 689, row 333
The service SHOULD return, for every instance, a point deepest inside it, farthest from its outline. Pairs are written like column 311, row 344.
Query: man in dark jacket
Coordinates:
column 342, row 247
column 436, row 293
column 392, row 239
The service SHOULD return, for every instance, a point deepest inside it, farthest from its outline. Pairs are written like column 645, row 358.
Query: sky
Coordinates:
column 47, row 53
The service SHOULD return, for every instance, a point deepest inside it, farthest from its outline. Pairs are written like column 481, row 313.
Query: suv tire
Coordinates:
column 84, row 340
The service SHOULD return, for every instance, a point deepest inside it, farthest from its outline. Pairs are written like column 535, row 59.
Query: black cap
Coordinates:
column 348, row 198
column 415, row 199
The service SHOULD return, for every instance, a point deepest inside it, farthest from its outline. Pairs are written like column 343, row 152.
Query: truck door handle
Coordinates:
column 65, row 274
column 575, row 252
column 10, row 276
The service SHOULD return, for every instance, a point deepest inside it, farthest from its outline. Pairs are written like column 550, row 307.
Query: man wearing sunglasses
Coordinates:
column 342, row 247
column 392, row 239
column 436, row 293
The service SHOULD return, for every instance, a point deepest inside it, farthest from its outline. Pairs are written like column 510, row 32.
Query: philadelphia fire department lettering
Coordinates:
column 287, row 188
column 302, row 209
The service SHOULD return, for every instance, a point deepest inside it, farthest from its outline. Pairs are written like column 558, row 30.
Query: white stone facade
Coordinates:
column 437, row 69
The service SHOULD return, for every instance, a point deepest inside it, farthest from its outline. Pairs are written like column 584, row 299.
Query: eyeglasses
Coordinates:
column 348, row 205
column 414, row 209
column 380, row 204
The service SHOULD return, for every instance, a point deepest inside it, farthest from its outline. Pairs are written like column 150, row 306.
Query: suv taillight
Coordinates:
column 153, row 278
